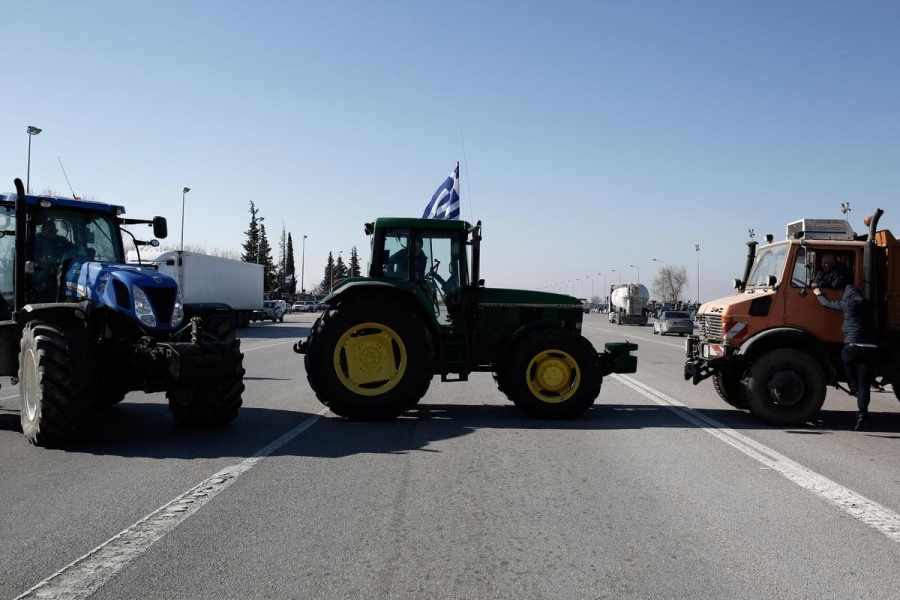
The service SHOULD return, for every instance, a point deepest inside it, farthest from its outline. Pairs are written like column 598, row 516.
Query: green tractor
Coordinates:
column 424, row 311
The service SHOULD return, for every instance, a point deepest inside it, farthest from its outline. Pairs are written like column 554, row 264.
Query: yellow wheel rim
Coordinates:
column 553, row 376
column 370, row 359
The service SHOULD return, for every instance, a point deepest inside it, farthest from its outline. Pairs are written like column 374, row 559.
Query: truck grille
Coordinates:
column 709, row 326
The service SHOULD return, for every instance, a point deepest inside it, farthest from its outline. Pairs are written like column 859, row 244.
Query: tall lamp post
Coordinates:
column 697, row 248
column 183, row 193
column 619, row 273
column 591, row 299
column 303, row 266
column 639, row 273
column 31, row 131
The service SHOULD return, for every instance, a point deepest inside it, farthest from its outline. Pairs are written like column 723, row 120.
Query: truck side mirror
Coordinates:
column 160, row 228
column 736, row 283
column 771, row 281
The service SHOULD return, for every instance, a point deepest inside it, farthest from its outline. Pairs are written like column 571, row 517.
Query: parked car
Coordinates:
column 674, row 321
column 300, row 307
column 273, row 309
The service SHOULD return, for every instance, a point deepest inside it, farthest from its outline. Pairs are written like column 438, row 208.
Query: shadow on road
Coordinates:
column 147, row 429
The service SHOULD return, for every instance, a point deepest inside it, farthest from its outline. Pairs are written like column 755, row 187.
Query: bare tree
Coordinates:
column 669, row 284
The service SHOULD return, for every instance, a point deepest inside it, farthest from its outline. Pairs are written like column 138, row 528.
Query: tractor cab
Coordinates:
column 428, row 254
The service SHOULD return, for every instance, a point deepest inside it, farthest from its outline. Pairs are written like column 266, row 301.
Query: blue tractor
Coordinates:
column 79, row 328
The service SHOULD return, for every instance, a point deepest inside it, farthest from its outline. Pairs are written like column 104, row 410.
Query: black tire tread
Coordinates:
column 65, row 370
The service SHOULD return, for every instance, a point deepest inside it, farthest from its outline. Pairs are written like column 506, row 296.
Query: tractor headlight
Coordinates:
column 177, row 310
column 142, row 307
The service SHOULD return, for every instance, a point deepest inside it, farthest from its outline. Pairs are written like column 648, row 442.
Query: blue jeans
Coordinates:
column 858, row 362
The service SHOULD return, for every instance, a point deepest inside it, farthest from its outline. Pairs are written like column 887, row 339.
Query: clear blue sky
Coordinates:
column 592, row 136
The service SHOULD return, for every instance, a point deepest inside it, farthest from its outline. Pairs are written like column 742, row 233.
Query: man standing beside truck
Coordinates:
column 858, row 354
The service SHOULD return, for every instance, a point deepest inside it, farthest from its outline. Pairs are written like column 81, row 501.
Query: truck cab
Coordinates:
column 771, row 347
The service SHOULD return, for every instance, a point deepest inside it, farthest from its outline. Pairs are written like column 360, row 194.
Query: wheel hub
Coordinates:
column 553, row 376
column 370, row 359
column 785, row 388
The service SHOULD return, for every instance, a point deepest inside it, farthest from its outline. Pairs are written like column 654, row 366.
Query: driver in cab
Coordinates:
column 398, row 266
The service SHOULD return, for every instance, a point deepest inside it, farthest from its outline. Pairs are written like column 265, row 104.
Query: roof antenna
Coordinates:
column 67, row 178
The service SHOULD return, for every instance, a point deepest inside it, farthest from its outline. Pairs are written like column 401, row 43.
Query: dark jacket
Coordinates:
column 859, row 315
column 836, row 278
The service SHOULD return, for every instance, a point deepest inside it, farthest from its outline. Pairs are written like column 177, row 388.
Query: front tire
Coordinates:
column 217, row 404
column 552, row 374
column 56, row 381
column 369, row 360
column 785, row 387
column 729, row 388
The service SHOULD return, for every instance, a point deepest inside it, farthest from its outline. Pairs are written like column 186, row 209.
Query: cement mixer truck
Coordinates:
column 628, row 304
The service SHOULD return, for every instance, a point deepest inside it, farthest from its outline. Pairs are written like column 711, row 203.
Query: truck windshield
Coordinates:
column 769, row 261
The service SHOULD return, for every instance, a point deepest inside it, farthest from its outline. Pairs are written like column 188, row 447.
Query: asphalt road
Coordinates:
column 660, row 491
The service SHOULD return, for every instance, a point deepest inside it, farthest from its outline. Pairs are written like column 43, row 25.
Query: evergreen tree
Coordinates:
column 265, row 258
column 327, row 276
column 252, row 248
column 291, row 270
column 354, row 263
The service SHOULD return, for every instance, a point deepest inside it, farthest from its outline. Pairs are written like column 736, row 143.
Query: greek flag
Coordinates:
column 445, row 202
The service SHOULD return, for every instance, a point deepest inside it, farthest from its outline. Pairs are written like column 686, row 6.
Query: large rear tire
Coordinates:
column 552, row 374
column 785, row 387
column 369, row 359
column 56, row 381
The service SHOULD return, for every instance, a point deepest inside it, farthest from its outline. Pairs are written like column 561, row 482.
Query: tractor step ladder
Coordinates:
column 454, row 357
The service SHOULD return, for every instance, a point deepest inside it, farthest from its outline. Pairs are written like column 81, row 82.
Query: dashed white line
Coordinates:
column 873, row 514
column 83, row 576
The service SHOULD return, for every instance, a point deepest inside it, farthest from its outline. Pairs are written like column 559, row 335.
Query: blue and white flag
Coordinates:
column 445, row 202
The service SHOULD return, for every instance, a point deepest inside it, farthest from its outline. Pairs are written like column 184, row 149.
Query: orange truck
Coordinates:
column 771, row 348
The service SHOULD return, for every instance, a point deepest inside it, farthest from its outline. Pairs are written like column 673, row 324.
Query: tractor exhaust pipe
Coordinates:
column 19, row 270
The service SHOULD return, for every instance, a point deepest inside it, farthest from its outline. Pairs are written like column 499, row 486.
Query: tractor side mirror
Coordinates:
column 160, row 228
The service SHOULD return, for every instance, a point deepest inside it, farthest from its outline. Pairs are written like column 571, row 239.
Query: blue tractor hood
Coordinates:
column 132, row 290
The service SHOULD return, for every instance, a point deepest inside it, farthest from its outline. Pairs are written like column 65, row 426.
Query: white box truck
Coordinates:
column 204, row 279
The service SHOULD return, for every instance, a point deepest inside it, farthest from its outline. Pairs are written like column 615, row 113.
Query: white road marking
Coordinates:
column 873, row 514
column 85, row 575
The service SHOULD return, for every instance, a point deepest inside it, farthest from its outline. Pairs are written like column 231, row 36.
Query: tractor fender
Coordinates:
column 521, row 333
column 408, row 293
column 787, row 337
column 52, row 311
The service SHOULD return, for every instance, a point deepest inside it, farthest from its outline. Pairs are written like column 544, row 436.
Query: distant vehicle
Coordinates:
column 299, row 307
column 204, row 279
column 273, row 310
column 674, row 321
column 628, row 303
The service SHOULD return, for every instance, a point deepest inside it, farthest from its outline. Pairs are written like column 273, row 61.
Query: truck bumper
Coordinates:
column 703, row 359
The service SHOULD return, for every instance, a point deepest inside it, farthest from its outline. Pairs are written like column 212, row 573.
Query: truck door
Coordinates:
column 801, row 308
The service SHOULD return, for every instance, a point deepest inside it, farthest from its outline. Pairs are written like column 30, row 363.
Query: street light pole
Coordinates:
column 619, row 273
column 591, row 299
column 31, row 131
column 639, row 273
column 697, row 248
column 303, row 266
column 183, row 192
